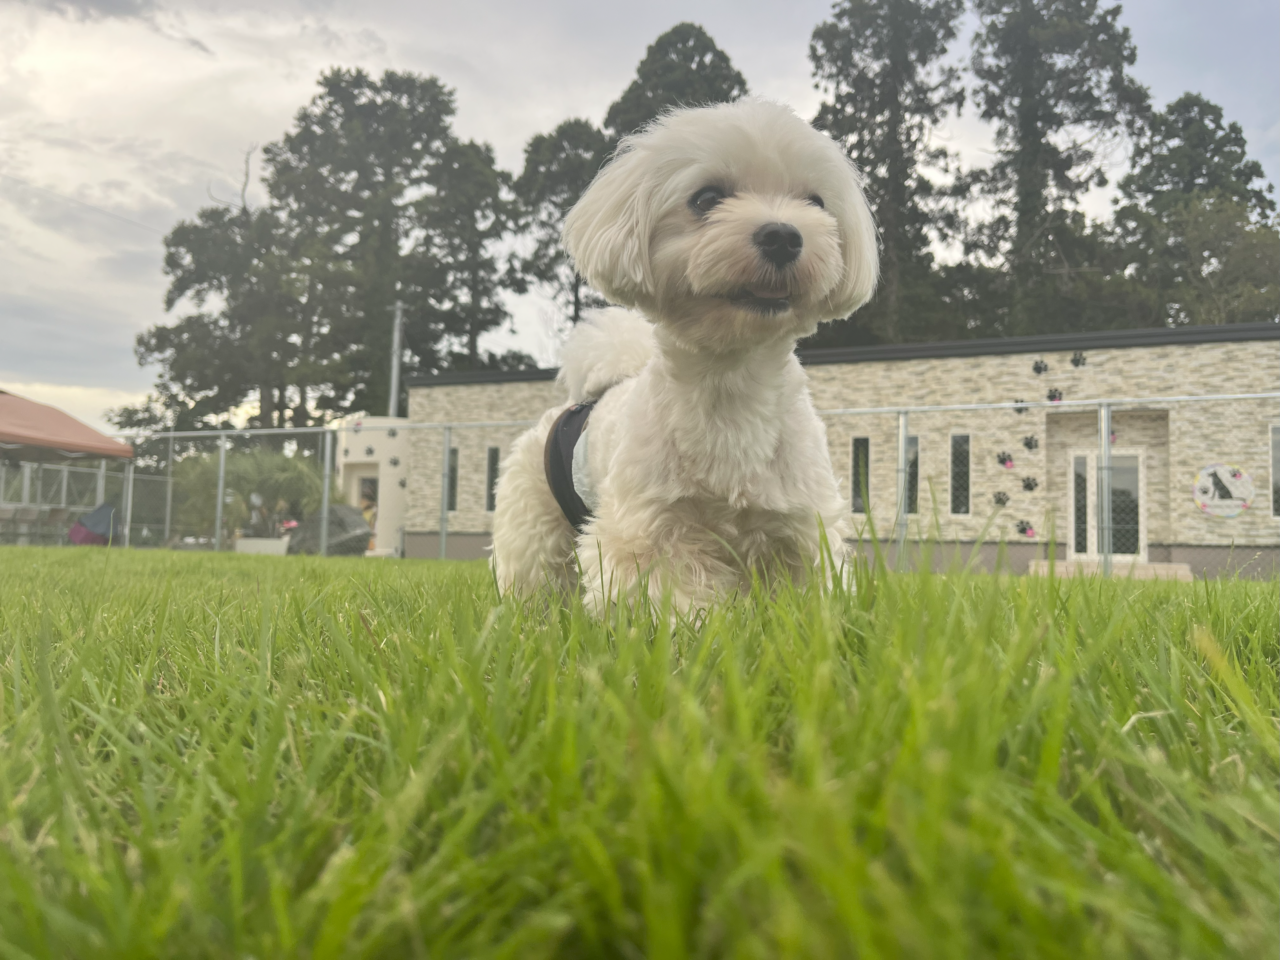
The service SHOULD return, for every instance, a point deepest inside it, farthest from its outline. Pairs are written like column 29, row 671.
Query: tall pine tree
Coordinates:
column 467, row 213
column 558, row 167
column 254, row 325
column 1189, row 148
column 878, row 61
column 345, row 178
column 1197, row 230
column 1052, row 76
column 683, row 67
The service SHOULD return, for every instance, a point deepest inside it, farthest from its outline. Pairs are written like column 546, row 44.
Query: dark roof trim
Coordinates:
column 989, row 347
column 455, row 377
column 1048, row 343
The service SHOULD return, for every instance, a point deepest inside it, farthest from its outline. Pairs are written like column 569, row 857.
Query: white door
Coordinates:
column 1128, row 505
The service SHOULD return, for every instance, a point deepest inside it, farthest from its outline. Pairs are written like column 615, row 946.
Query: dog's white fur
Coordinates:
column 704, row 447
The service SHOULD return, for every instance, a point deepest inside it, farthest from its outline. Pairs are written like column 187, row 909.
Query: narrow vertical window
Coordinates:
column 913, row 474
column 453, row 478
column 491, row 480
column 1080, row 503
column 1275, row 471
column 861, row 473
column 960, row 473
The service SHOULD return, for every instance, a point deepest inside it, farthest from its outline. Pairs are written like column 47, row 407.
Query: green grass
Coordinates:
column 247, row 756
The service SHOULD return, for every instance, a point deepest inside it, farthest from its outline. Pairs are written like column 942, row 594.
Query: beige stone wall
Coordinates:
column 461, row 403
column 1235, row 432
column 1177, row 439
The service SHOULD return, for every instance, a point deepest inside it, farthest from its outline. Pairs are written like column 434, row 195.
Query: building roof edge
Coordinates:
column 1046, row 343
column 942, row 349
column 452, row 378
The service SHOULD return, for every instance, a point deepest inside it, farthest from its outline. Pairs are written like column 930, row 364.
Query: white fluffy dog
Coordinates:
column 733, row 230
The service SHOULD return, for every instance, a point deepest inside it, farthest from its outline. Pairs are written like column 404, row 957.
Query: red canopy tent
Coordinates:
column 37, row 432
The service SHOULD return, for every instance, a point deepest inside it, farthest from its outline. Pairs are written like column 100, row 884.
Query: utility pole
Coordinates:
column 397, row 330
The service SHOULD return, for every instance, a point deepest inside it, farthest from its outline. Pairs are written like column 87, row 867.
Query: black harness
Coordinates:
column 558, row 462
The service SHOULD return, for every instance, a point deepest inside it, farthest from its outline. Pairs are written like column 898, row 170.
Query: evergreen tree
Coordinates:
column 251, row 327
column 346, row 178
column 878, row 62
column 372, row 200
column 1196, row 230
column 1188, row 148
column 1051, row 75
column 467, row 213
column 683, row 67
column 1222, row 266
column 558, row 167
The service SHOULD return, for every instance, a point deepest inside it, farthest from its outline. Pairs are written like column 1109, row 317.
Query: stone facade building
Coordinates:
column 1193, row 482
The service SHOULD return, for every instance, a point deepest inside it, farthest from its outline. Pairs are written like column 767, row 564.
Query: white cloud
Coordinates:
column 141, row 108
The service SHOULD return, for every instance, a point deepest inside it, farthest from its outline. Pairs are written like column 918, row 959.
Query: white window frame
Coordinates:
column 1091, row 503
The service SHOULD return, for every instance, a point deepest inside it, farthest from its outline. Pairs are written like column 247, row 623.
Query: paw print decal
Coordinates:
column 1000, row 498
column 1055, row 396
column 1077, row 359
column 1019, row 409
column 1039, row 367
column 1026, row 529
column 1005, row 460
column 1031, row 443
column 1030, row 483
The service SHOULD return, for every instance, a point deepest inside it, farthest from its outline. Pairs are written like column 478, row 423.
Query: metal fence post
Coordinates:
column 444, row 494
column 1104, row 487
column 397, row 329
column 327, row 474
column 65, row 470
column 900, row 531
column 102, row 480
column 128, row 500
column 168, row 493
column 222, row 491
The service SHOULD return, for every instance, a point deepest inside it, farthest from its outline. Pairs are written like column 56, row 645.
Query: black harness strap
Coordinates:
column 558, row 462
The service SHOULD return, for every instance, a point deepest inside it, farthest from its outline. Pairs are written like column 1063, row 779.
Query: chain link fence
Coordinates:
column 1183, row 487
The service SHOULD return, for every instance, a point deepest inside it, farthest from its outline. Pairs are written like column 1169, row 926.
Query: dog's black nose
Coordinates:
column 780, row 243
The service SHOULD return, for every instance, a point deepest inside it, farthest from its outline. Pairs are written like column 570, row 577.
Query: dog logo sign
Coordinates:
column 1223, row 490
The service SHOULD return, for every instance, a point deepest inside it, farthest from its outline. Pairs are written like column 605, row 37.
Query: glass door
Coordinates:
column 1128, row 522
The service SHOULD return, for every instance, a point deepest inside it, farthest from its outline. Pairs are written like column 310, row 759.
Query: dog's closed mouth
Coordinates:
column 762, row 299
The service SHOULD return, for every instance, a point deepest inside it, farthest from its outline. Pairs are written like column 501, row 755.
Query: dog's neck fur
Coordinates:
column 725, row 412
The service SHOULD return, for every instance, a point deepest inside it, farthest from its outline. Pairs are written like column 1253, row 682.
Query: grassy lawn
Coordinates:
column 225, row 756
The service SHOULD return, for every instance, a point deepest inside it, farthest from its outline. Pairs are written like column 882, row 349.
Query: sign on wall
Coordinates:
column 1223, row 490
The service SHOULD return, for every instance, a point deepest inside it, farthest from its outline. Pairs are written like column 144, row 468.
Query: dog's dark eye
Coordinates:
column 705, row 200
column 816, row 201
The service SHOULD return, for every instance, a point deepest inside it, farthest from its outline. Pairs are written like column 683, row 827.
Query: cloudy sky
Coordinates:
column 120, row 117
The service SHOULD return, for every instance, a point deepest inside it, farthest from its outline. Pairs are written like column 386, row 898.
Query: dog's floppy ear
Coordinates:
column 607, row 231
column 858, row 243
